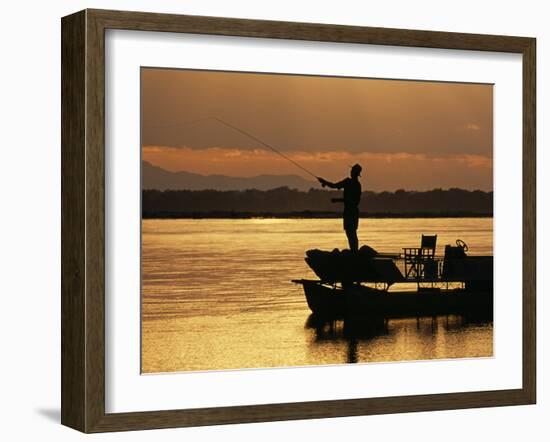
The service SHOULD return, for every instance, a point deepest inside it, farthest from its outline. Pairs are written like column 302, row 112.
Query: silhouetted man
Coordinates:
column 352, row 196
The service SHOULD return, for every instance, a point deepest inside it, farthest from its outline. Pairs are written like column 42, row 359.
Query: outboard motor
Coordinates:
column 454, row 261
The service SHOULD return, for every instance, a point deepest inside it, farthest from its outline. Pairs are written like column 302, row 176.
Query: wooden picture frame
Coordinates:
column 83, row 220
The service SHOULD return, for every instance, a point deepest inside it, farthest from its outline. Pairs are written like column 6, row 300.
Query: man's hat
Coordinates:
column 356, row 168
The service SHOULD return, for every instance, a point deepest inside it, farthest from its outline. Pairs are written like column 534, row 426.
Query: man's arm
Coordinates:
column 338, row 185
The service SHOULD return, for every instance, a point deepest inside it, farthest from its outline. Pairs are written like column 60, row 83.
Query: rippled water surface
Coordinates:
column 217, row 294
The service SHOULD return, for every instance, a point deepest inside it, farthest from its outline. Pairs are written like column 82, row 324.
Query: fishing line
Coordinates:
column 270, row 301
column 241, row 131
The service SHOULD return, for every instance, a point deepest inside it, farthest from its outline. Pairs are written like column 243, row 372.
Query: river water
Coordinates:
column 217, row 294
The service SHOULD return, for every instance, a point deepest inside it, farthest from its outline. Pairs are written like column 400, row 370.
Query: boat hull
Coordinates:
column 356, row 300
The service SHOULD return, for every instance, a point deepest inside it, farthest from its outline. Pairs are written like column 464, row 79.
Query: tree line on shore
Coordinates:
column 286, row 202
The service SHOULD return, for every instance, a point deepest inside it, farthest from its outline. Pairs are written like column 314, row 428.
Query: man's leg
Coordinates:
column 352, row 239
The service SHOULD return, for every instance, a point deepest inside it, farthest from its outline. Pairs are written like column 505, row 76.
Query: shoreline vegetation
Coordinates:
column 305, row 215
column 291, row 203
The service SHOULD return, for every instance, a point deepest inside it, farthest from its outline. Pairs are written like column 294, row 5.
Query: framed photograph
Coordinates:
column 268, row 220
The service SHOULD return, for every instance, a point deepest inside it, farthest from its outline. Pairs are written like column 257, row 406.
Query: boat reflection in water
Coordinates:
column 385, row 340
column 350, row 331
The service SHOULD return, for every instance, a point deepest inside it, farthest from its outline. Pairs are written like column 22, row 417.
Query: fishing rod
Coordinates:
column 243, row 132
column 265, row 144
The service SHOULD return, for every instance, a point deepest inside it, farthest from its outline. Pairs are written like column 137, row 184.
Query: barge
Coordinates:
column 413, row 283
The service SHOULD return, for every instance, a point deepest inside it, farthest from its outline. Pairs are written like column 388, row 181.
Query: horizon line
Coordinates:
column 321, row 190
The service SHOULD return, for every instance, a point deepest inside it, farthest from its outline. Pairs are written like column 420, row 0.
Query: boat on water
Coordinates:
column 358, row 283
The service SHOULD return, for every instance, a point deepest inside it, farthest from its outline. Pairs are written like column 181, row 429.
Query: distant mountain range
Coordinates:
column 154, row 177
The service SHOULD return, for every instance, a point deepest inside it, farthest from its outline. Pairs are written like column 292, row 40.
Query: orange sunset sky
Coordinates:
column 406, row 134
